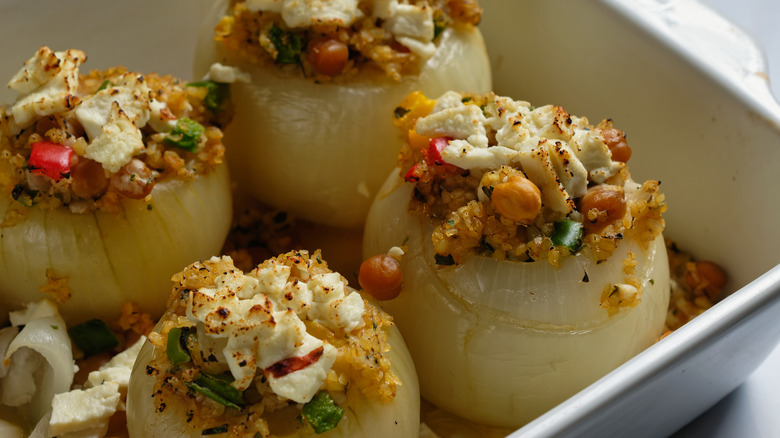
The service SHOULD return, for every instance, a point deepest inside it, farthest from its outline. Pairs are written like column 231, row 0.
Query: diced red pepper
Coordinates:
column 435, row 148
column 414, row 174
column 50, row 159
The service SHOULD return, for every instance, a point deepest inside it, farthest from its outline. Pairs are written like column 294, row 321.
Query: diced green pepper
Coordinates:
column 567, row 233
column 322, row 413
column 93, row 337
column 219, row 389
column 185, row 135
column 215, row 430
column 217, row 95
column 105, row 85
column 288, row 45
column 176, row 349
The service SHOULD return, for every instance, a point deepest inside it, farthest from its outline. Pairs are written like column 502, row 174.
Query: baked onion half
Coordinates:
column 505, row 318
column 109, row 181
column 319, row 145
column 287, row 350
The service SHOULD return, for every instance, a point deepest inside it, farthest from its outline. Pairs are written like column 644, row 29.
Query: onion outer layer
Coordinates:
column 502, row 356
column 321, row 151
column 109, row 259
column 362, row 417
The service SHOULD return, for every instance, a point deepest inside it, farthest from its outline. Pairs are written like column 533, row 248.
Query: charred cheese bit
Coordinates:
column 46, row 85
column 557, row 151
column 259, row 317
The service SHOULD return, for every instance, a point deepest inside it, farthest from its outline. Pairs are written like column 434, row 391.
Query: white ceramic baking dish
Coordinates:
column 686, row 85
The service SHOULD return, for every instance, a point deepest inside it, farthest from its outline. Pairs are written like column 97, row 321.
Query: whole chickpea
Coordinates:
column 517, row 199
column 707, row 276
column 602, row 205
column 88, row 179
column 617, row 144
column 327, row 55
column 380, row 276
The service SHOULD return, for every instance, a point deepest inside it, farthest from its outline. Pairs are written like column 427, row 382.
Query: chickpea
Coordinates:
column 88, row 179
column 327, row 56
column 602, row 205
column 706, row 276
column 616, row 142
column 517, row 199
column 380, row 276
column 134, row 180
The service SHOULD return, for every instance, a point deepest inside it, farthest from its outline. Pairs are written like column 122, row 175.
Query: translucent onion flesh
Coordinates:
column 362, row 417
column 109, row 259
column 40, row 351
column 321, row 151
column 500, row 342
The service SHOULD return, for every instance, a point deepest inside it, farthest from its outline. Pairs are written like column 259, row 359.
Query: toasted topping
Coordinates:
column 94, row 126
column 501, row 177
column 342, row 35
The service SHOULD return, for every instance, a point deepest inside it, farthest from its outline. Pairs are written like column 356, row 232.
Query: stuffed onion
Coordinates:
column 310, row 135
column 533, row 264
column 287, row 349
column 109, row 181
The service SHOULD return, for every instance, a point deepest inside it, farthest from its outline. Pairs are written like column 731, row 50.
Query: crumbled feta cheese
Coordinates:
column 132, row 96
column 160, row 117
column 332, row 306
column 412, row 26
column 117, row 369
column 226, row 74
column 259, row 317
column 84, row 410
column 303, row 384
column 559, row 153
column 117, row 143
column 304, row 13
column 46, row 85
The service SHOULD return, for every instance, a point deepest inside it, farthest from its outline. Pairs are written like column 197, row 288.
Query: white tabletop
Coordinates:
column 753, row 409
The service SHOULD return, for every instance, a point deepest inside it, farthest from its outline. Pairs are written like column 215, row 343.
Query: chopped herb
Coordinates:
column 466, row 99
column 176, row 348
column 444, row 260
column 105, row 85
column 652, row 281
column 185, row 135
column 322, row 413
column 93, row 337
column 24, row 196
column 400, row 112
column 438, row 28
column 451, row 222
column 288, row 45
column 217, row 388
column 488, row 191
column 406, row 239
column 483, row 241
column 215, row 430
column 54, row 327
column 217, row 95
column 568, row 233
column 149, row 207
